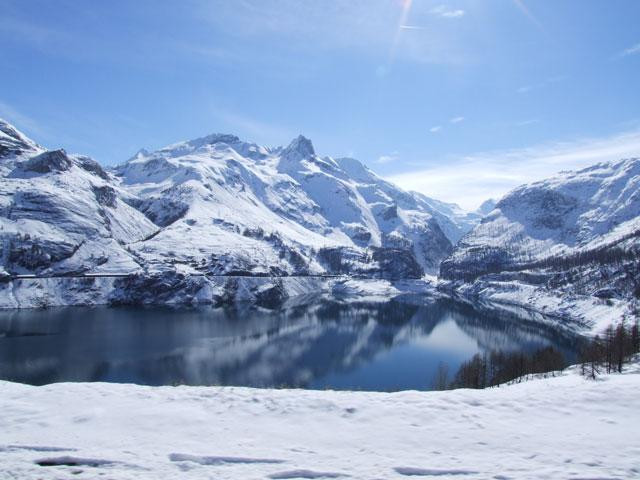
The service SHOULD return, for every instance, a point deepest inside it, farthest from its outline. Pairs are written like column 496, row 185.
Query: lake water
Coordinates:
column 395, row 345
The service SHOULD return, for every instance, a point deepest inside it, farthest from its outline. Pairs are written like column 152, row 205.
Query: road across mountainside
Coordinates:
column 123, row 275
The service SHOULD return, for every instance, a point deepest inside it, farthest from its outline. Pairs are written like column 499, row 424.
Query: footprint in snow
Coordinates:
column 218, row 460
column 292, row 474
column 69, row 461
column 36, row 448
column 424, row 472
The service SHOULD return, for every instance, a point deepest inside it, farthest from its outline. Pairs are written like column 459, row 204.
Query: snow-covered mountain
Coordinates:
column 62, row 214
column 213, row 206
column 576, row 233
column 183, row 223
column 223, row 205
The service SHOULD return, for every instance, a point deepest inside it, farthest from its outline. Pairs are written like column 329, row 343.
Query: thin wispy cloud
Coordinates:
column 524, row 123
column 136, row 48
column 634, row 50
column 446, row 12
column 545, row 83
column 435, row 129
column 323, row 25
column 471, row 179
column 356, row 25
column 456, row 120
column 391, row 157
column 38, row 35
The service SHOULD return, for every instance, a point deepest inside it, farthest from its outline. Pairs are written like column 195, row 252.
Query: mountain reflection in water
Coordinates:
column 395, row 345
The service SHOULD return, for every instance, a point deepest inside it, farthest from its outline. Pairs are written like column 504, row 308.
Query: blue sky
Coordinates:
column 460, row 100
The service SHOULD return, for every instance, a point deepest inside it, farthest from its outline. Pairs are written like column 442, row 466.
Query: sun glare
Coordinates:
column 404, row 16
column 521, row 5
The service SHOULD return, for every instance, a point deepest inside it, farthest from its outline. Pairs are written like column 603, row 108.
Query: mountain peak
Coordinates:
column 10, row 130
column 211, row 139
column 299, row 149
column 185, row 147
column 13, row 136
column 140, row 155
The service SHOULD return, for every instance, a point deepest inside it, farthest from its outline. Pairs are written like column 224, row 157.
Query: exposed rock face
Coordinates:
column 390, row 213
column 160, row 287
column 397, row 263
column 164, row 211
column 105, row 195
column 91, row 166
column 53, row 161
column 36, row 254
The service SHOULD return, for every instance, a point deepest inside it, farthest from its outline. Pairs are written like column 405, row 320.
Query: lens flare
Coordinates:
column 404, row 16
column 520, row 4
column 406, row 8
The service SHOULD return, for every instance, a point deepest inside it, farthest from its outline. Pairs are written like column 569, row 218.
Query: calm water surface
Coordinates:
column 395, row 345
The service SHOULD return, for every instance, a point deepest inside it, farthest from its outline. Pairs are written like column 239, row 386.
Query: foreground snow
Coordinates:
column 563, row 427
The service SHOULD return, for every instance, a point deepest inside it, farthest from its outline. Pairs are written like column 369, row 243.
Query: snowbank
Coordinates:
column 563, row 427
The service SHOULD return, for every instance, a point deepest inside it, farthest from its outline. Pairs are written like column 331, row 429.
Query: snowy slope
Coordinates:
column 576, row 233
column 61, row 213
column 211, row 206
column 553, row 428
column 569, row 212
column 226, row 205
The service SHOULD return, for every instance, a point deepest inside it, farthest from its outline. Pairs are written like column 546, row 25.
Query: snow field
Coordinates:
column 561, row 427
